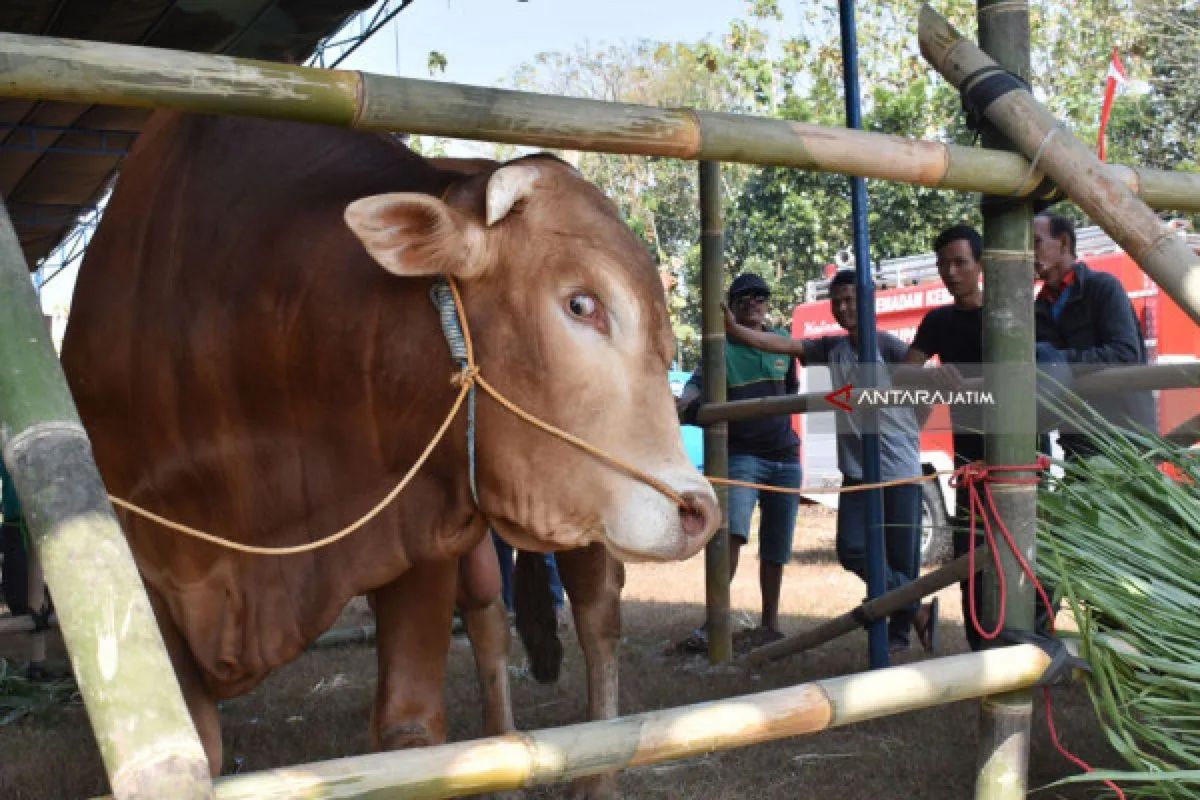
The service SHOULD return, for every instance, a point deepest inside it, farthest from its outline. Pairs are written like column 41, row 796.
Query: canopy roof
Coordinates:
column 57, row 159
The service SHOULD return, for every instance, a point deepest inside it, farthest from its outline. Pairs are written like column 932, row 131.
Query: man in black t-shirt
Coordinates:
column 954, row 334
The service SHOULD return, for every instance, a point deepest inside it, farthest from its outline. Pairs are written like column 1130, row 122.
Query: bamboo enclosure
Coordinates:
column 1036, row 132
column 145, row 735
column 520, row 760
column 97, row 72
column 92, row 72
column 1009, row 424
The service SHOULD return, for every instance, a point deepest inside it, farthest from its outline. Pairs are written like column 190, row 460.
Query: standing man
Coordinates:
column 899, row 456
column 765, row 450
column 1087, row 317
column 954, row 334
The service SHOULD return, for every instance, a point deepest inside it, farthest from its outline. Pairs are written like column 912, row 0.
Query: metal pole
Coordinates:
column 1010, row 439
column 142, row 726
column 868, row 351
column 111, row 74
column 716, row 436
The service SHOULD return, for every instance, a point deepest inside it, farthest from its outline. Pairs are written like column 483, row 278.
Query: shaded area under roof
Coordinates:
column 56, row 159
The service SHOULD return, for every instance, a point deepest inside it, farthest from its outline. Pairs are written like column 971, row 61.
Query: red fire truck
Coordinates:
column 906, row 288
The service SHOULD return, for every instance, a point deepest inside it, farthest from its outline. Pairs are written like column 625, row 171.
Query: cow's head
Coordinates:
column 569, row 321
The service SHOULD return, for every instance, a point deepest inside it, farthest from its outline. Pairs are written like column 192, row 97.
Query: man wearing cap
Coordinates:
column 764, row 450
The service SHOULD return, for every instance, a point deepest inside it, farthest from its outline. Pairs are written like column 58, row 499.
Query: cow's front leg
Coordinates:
column 413, row 615
column 486, row 620
column 593, row 580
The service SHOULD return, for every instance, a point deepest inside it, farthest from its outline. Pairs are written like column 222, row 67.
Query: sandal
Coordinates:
column 696, row 643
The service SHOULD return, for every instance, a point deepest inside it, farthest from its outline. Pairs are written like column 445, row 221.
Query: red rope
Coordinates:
column 973, row 476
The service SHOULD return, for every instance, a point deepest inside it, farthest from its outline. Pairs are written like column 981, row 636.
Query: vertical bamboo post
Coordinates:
column 716, row 436
column 35, row 598
column 142, row 726
column 1008, row 353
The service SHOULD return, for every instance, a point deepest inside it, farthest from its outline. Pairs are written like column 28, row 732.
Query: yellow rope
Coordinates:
column 465, row 379
column 520, row 413
column 331, row 538
column 860, row 487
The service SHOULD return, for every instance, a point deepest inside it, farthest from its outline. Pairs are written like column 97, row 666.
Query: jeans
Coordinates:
column 777, row 517
column 901, row 537
column 506, row 554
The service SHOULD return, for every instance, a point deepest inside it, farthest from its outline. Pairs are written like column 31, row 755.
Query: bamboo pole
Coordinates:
column 23, row 624
column 1009, row 424
column 142, row 726
column 1111, row 379
column 1127, row 379
column 36, row 601
column 879, row 608
column 522, row 760
column 716, row 436
column 112, row 74
column 334, row 637
column 519, row 760
column 1036, row 132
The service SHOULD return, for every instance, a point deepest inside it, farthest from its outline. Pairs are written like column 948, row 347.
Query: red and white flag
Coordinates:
column 1112, row 81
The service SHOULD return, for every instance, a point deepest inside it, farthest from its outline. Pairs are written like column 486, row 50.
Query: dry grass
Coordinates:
column 317, row 708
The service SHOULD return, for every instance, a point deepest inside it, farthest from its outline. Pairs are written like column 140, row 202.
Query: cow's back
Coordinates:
column 243, row 367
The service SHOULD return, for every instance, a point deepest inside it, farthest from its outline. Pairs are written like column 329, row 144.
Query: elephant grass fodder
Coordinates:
column 1120, row 541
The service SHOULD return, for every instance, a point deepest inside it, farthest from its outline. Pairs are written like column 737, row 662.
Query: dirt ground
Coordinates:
column 317, row 708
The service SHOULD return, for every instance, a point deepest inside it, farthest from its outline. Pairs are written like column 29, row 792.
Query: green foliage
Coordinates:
column 1120, row 540
column 21, row 697
column 436, row 62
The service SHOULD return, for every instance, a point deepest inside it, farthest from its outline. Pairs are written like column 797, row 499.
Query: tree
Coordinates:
column 786, row 224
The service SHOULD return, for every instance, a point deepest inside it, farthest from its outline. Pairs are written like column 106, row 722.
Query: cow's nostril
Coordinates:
column 699, row 515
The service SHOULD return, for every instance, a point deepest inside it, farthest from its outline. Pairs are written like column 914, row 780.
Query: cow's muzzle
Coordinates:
column 699, row 515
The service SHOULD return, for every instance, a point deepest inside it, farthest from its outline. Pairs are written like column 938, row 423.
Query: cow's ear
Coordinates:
column 416, row 234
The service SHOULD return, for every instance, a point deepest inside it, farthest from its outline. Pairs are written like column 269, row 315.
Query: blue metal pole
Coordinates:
column 868, row 352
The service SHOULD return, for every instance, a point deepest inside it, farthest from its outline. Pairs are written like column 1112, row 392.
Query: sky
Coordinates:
column 484, row 41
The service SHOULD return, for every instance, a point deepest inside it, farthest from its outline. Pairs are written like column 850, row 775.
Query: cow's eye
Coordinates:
column 583, row 305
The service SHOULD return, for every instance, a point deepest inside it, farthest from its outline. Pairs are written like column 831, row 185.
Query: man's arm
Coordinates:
column 913, row 374
column 689, row 395
column 1117, row 339
column 762, row 340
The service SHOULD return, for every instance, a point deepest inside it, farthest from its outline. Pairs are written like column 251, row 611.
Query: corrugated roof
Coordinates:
column 56, row 159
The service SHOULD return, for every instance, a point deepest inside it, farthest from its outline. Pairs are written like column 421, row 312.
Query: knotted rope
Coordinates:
column 468, row 377
column 973, row 477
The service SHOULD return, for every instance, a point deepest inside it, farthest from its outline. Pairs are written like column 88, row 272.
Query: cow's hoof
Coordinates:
column 405, row 735
column 594, row 787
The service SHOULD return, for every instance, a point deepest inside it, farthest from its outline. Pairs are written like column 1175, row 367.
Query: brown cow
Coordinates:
column 244, row 367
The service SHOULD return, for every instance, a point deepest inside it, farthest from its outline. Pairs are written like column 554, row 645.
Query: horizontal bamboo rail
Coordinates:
column 336, row 637
column 1110, row 380
column 1128, row 379
column 520, row 760
column 882, row 606
column 23, row 624
column 1160, row 252
column 96, row 72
